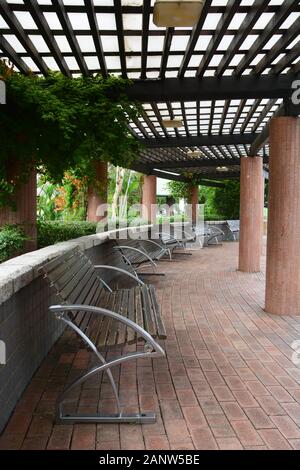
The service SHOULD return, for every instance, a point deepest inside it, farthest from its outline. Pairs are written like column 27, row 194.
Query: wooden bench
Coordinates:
column 177, row 238
column 234, row 228
column 137, row 253
column 104, row 318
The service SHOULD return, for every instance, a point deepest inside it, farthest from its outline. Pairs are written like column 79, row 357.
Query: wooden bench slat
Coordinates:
column 55, row 262
column 139, row 307
column 75, row 282
column 78, row 295
column 161, row 331
column 97, row 320
column 131, row 335
column 91, row 296
column 113, row 330
column 61, row 269
column 103, row 333
column 148, row 314
column 122, row 327
column 80, row 299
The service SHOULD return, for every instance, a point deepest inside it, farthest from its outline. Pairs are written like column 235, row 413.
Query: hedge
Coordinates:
column 52, row 232
column 12, row 241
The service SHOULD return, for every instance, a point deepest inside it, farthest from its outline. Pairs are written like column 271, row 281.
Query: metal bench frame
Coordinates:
column 147, row 257
column 233, row 227
column 209, row 233
column 151, row 350
column 174, row 242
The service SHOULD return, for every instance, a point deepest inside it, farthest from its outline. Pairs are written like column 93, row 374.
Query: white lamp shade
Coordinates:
column 195, row 153
column 172, row 13
column 222, row 169
column 174, row 123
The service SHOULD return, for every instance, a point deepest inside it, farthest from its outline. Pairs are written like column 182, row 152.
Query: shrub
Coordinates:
column 51, row 232
column 227, row 200
column 12, row 240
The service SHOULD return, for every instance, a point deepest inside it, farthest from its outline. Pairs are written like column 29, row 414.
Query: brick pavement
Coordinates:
column 227, row 381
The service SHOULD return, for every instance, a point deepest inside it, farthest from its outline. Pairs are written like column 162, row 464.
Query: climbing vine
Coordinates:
column 58, row 124
column 182, row 189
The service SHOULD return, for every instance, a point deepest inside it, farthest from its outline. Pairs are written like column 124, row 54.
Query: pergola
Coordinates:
column 225, row 78
column 229, row 79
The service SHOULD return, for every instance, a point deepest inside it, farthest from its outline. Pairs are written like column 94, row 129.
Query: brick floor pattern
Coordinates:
column 227, row 382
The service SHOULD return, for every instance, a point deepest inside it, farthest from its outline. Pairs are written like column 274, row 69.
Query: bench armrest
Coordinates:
column 122, row 271
column 154, row 243
column 60, row 310
column 124, row 247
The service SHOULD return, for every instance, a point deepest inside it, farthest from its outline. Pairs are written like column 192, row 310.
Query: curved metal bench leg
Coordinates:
column 119, row 417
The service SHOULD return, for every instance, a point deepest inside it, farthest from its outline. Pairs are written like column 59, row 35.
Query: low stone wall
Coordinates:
column 26, row 327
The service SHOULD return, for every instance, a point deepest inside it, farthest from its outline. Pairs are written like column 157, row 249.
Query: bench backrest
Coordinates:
column 74, row 278
column 234, row 225
column 133, row 256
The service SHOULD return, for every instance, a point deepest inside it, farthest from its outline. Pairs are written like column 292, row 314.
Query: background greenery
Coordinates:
column 62, row 209
column 220, row 203
column 51, row 232
column 12, row 241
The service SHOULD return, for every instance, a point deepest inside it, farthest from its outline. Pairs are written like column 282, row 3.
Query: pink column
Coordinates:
column 283, row 249
column 149, row 198
column 251, row 214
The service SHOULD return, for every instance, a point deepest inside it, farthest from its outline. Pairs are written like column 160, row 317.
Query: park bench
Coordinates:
column 175, row 239
column 209, row 235
column 140, row 252
column 234, row 228
column 104, row 318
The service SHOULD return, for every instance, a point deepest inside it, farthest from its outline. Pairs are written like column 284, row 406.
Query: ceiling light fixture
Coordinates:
column 172, row 13
column 175, row 123
column 222, row 169
column 195, row 153
column 166, row 172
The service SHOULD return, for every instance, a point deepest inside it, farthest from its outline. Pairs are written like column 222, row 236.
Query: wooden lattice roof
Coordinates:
column 225, row 78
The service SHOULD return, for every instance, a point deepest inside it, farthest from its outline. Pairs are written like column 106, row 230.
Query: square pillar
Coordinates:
column 251, row 214
column 283, row 248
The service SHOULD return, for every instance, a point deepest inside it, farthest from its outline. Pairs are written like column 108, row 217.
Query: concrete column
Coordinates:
column 251, row 214
column 194, row 201
column 283, row 248
column 149, row 198
column 25, row 201
column 97, row 194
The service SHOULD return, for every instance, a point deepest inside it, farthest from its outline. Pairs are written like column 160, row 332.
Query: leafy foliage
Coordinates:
column 182, row 190
column 220, row 203
column 12, row 240
column 227, row 200
column 51, row 232
column 179, row 189
column 57, row 124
